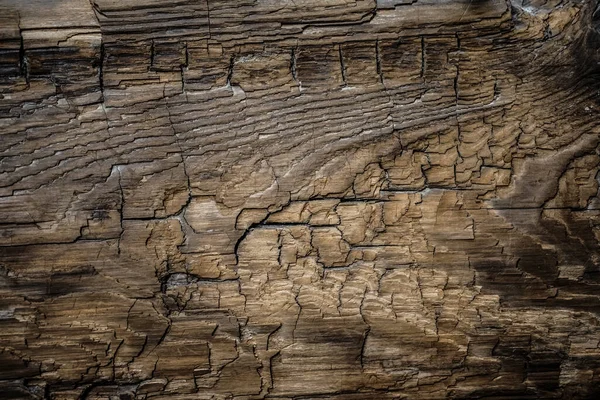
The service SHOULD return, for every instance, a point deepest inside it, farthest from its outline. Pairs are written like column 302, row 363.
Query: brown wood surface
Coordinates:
column 299, row 199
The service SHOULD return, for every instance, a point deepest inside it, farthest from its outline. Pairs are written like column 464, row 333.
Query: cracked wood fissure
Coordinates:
column 337, row 199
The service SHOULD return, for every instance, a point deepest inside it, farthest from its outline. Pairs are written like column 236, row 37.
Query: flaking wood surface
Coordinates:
column 299, row 199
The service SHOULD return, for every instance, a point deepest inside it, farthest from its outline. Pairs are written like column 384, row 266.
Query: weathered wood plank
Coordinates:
column 303, row 199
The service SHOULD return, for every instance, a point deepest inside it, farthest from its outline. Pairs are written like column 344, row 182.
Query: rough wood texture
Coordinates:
column 337, row 199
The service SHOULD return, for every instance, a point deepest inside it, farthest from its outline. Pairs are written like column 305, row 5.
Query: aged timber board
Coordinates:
column 299, row 199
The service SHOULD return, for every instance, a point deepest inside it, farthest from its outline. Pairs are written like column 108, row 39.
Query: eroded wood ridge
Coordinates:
column 344, row 199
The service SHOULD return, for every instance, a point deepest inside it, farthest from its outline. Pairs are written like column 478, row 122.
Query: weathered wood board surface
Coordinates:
column 299, row 199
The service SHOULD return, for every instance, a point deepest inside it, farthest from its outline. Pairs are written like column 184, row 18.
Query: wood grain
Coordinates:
column 299, row 199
